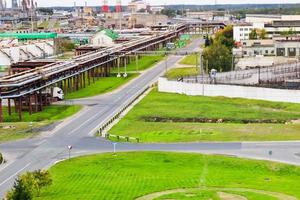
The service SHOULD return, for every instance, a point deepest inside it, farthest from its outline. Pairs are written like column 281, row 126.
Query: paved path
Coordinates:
column 47, row 149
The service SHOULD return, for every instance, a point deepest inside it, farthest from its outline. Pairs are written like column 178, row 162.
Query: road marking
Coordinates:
column 41, row 142
column 14, row 174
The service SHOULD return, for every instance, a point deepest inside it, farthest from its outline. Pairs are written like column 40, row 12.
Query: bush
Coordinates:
column 29, row 185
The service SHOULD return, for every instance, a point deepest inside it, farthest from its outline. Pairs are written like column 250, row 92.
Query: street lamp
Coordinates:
column 125, row 65
column 201, row 70
column 118, row 63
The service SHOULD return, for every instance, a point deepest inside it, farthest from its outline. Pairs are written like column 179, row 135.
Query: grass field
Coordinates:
column 107, row 84
column 189, row 60
column 144, row 62
column 173, row 118
column 150, row 175
column 103, row 85
column 12, row 129
column 176, row 73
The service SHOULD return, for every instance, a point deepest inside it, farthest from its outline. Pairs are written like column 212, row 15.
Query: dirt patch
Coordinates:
column 279, row 196
column 227, row 196
column 213, row 120
column 297, row 121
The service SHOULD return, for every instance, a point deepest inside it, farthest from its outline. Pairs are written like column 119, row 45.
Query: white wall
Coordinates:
column 194, row 89
column 241, row 32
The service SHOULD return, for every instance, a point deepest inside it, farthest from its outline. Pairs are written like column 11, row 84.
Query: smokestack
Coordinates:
column 118, row 6
column 105, row 7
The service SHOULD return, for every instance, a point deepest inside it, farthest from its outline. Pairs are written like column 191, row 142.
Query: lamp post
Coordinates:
column 125, row 66
column 201, row 71
column 118, row 63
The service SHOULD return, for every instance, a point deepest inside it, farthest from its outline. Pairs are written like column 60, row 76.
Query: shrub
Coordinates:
column 29, row 185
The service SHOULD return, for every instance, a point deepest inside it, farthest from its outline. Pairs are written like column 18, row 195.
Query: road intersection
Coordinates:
column 47, row 149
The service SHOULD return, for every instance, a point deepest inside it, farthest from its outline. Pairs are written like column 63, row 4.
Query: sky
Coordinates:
column 46, row 3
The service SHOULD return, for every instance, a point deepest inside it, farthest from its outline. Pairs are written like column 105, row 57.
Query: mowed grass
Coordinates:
column 103, row 85
column 143, row 63
column 176, row 73
column 190, row 59
column 128, row 176
column 13, row 129
column 49, row 113
column 176, row 106
column 108, row 84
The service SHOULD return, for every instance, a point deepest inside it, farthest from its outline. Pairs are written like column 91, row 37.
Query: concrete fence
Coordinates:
column 193, row 89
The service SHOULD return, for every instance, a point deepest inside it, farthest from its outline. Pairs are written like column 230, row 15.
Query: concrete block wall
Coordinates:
column 197, row 89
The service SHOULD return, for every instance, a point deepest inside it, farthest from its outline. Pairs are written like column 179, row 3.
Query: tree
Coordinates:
column 289, row 33
column 218, row 57
column 29, row 185
column 169, row 12
column 19, row 191
column 36, row 180
column 66, row 45
column 1, row 158
column 292, row 32
column 262, row 33
column 225, row 37
column 253, row 34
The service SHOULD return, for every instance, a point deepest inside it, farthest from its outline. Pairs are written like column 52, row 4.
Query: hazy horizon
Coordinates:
column 46, row 3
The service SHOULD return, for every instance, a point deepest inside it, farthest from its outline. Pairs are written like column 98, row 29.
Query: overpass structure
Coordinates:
column 195, row 26
column 26, row 89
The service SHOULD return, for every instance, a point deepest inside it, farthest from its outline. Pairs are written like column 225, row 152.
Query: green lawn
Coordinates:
column 179, row 118
column 129, row 176
column 190, row 60
column 176, row 73
column 144, row 62
column 103, row 85
column 12, row 128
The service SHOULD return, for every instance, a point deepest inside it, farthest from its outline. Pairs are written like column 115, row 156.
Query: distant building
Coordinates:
column 156, row 9
column 142, row 20
column 105, row 37
column 14, row 4
column 206, row 16
column 137, row 5
column 274, row 25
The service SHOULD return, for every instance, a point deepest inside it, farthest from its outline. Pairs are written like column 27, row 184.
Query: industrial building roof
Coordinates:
column 110, row 33
column 28, row 36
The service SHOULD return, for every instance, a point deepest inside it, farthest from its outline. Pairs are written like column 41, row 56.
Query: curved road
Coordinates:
column 47, row 149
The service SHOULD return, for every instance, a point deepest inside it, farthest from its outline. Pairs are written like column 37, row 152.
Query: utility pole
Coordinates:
column 166, row 62
column 232, row 63
column 136, row 62
column 196, row 65
column 118, row 63
column 125, row 65
column 202, row 72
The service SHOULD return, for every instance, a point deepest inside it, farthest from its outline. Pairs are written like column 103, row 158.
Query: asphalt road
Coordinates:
column 47, row 149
